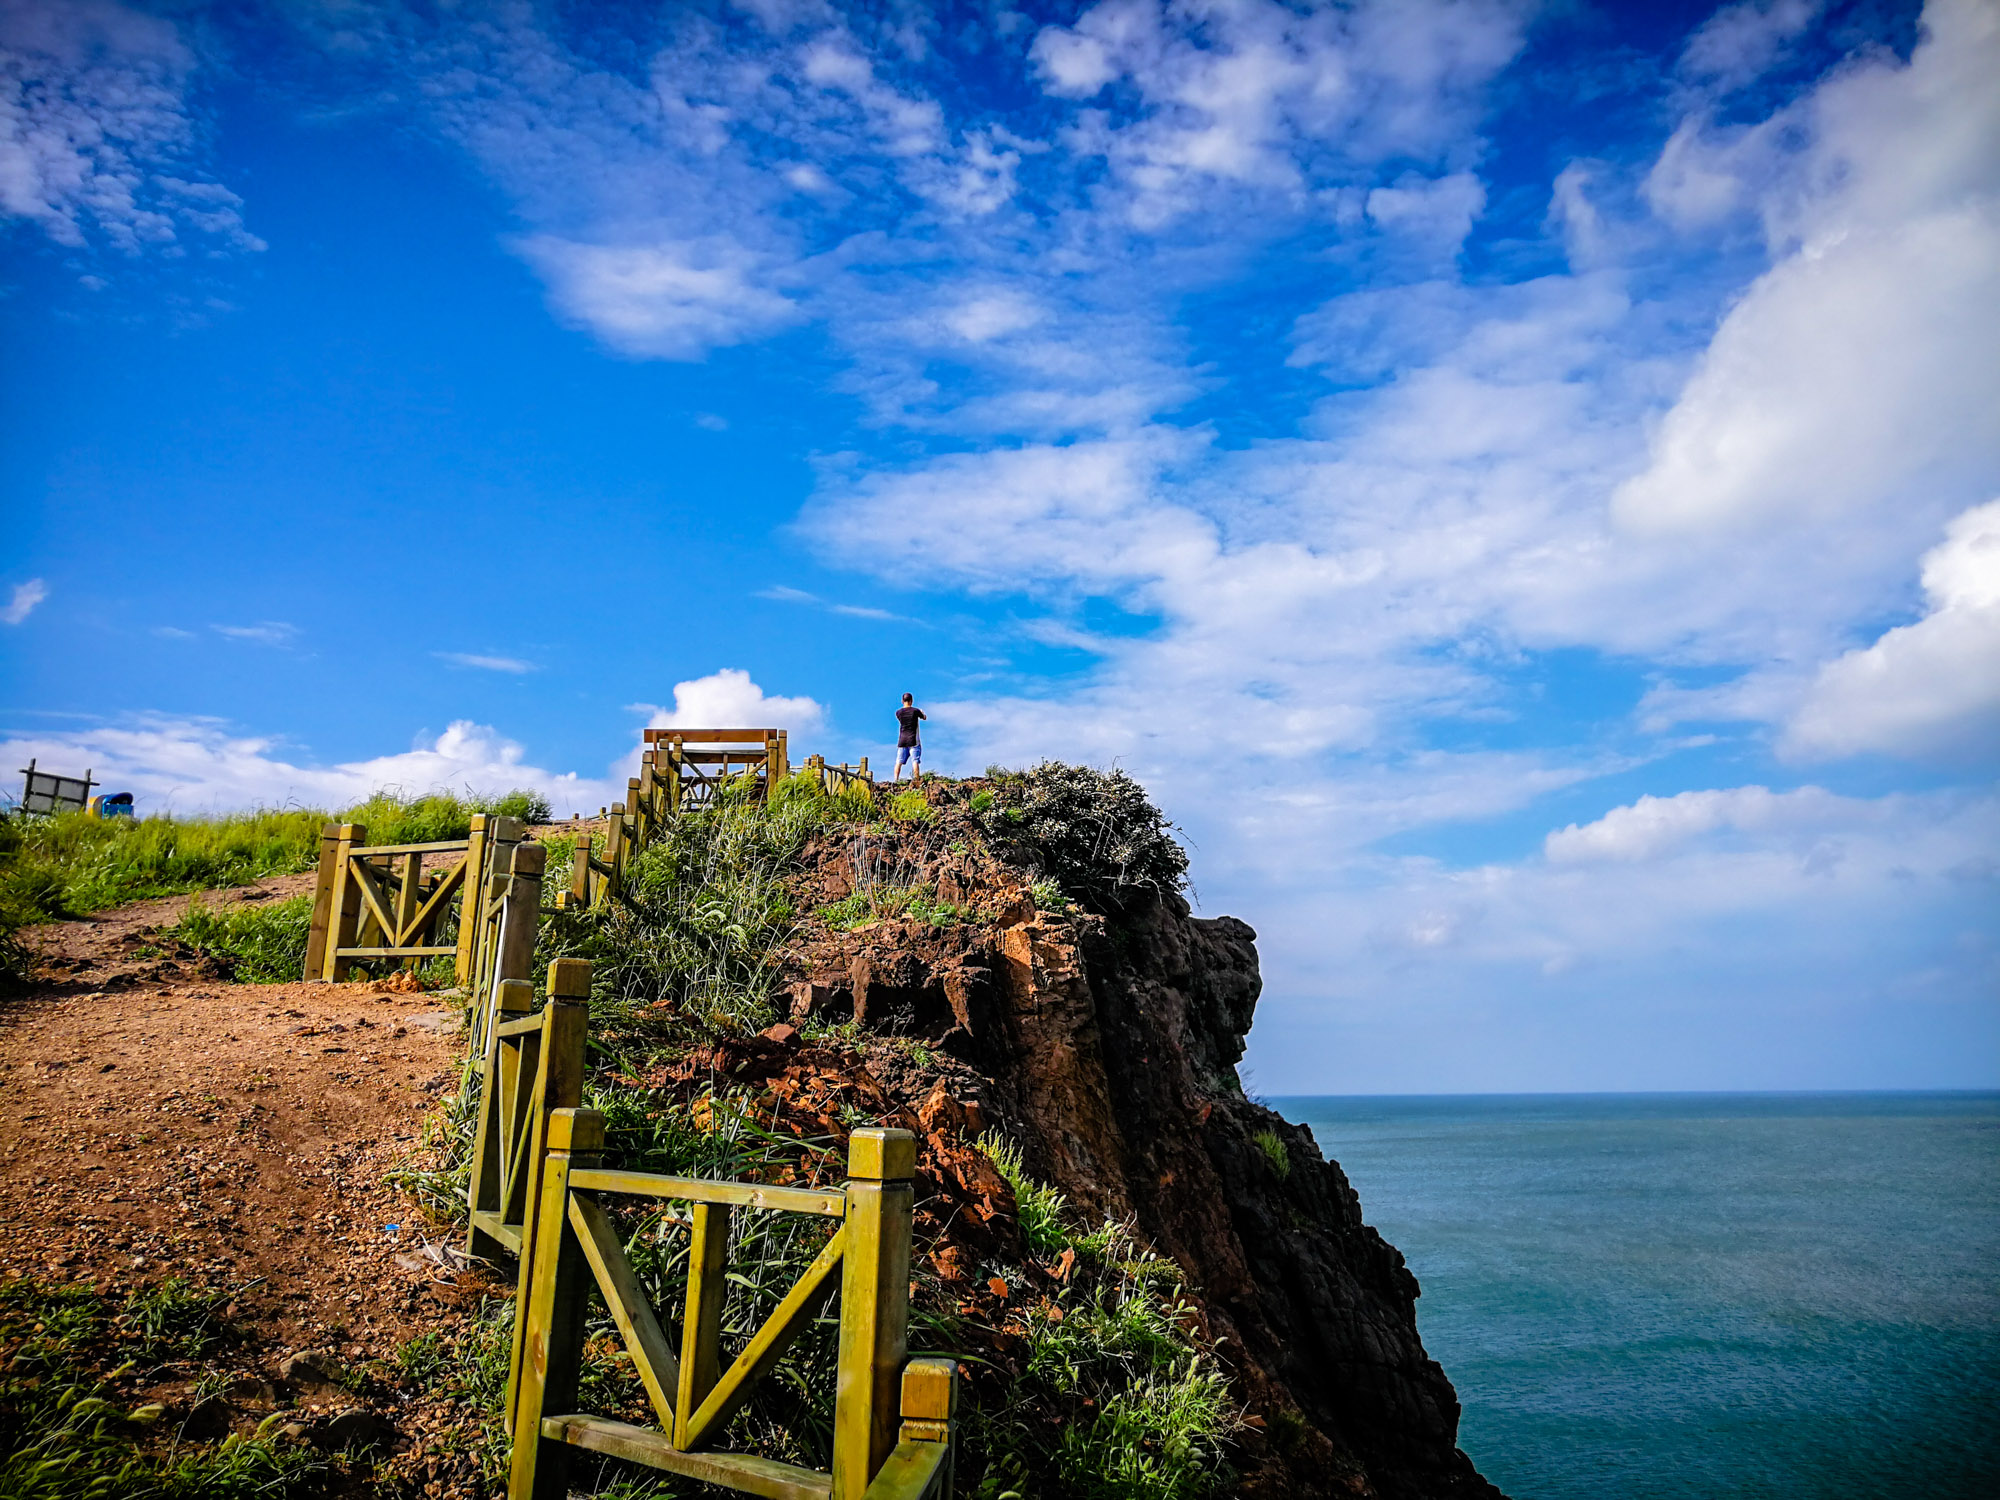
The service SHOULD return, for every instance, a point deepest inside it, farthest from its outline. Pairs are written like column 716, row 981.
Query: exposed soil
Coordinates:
column 160, row 1124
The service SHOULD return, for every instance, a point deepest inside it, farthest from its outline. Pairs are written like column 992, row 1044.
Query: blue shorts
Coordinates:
column 907, row 753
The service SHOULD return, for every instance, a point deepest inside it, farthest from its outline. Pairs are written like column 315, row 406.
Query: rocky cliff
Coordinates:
column 1106, row 1042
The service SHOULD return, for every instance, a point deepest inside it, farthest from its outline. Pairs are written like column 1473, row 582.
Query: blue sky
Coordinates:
column 1520, row 483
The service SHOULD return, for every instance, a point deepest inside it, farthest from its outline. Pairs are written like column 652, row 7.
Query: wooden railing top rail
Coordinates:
column 436, row 846
column 713, row 736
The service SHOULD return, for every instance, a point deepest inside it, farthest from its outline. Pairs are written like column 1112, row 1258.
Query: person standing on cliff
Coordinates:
column 909, row 742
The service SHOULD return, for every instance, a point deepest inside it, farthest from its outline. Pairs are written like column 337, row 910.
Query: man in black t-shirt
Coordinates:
column 909, row 743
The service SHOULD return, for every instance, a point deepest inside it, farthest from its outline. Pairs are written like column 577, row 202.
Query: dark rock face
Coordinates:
column 1108, row 1049
column 1112, row 1049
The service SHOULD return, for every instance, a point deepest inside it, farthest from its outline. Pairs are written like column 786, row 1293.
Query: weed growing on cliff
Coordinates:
column 1147, row 1415
column 255, row 943
column 1039, row 1208
column 1276, row 1152
column 914, row 903
column 692, row 941
column 1093, row 831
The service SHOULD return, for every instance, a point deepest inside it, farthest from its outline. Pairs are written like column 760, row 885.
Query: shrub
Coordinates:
column 1049, row 896
column 910, row 807
column 1093, row 831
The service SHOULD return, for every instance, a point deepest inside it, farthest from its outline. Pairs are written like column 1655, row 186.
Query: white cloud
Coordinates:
column 1929, row 688
column 1739, row 42
column 190, row 765
column 668, row 300
column 97, row 134
column 486, row 663
column 1856, row 376
column 22, row 602
column 1736, row 938
column 1656, row 825
column 264, row 632
column 728, row 699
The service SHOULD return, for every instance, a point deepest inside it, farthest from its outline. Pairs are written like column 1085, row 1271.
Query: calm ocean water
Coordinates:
column 1700, row 1295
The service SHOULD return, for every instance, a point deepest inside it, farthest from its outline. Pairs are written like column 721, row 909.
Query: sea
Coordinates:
column 1700, row 1295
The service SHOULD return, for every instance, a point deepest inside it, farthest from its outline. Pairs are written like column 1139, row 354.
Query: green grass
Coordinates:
column 914, row 903
column 1276, row 1152
column 1040, row 1209
column 910, row 807
column 255, row 943
column 1144, row 1412
column 70, row 865
column 1049, row 896
column 71, row 1360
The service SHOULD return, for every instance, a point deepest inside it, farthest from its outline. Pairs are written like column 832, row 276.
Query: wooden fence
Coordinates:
column 759, row 753
column 535, row 1190
column 838, row 778
column 531, row 1065
column 893, row 1416
column 379, row 901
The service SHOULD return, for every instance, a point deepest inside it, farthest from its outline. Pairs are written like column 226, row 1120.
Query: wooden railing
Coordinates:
column 760, row 753
column 838, row 778
column 531, row 1066
column 380, row 902
column 893, row 1416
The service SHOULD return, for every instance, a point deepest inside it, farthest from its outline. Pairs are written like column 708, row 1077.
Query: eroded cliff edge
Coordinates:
column 1106, row 1043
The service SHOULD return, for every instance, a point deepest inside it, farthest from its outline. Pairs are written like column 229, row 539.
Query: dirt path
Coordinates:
column 156, row 1124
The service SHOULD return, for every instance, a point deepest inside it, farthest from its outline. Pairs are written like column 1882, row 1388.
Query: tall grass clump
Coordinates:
column 260, row 943
column 1145, row 1414
column 694, row 939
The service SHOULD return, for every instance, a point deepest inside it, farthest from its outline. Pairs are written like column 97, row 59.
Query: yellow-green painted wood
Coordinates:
column 736, row 1471
column 760, row 1356
column 701, row 1321
column 827, row 1203
column 659, row 1371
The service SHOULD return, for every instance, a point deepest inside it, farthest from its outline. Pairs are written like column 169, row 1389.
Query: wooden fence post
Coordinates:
column 555, row 1281
column 502, row 835
column 558, row 1086
column 579, row 869
column 874, row 1305
column 344, row 908
column 701, row 1323
column 329, row 859
column 499, row 1083
column 930, row 1411
column 471, row 901
column 520, row 893
column 614, row 854
column 644, row 800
